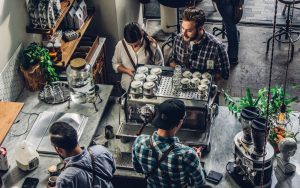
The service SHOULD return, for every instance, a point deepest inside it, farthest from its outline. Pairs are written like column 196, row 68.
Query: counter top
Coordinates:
column 24, row 121
column 223, row 131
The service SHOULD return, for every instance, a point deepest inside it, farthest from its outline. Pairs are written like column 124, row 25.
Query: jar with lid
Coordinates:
column 81, row 82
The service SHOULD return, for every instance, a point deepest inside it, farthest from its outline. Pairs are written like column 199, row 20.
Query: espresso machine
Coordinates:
column 253, row 164
column 152, row 85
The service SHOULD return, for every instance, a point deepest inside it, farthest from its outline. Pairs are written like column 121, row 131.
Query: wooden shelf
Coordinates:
column 68, row 48
column 65, row 7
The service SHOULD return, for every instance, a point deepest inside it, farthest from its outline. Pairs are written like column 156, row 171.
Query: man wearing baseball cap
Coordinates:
column 161, row 157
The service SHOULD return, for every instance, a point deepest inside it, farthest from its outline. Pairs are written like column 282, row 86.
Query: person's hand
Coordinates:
column 152, row 39
column 172, row 64
column 198, row 150
column 130, row 72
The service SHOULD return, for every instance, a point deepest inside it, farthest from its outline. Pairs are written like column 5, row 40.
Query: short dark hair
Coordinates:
column 194, row 14
column 63, row 135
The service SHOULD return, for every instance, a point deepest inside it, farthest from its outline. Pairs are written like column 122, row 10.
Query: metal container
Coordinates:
column 258, row 129
column 247, row 115
column 81, row 82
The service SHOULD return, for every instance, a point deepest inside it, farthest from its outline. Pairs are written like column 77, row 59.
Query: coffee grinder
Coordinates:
column 252, row 165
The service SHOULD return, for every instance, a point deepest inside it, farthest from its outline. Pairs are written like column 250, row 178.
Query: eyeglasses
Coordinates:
column 195, row 51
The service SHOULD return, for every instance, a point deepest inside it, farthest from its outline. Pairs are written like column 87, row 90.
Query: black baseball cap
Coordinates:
column 168, row 114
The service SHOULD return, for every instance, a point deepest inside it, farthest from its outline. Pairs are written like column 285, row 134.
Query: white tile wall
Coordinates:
column 11, row 80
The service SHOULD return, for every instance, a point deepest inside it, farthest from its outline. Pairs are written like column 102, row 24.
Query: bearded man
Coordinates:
column 198, row 50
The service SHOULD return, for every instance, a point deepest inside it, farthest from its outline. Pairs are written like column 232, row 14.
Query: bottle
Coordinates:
column 81, row 82
column 177, row 78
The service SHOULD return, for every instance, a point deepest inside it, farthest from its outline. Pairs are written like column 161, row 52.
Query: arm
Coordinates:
column 122, row 69
column 193, row 167
column 222, row 63
column 158, row 56
column 173, row 57
column 117, row 61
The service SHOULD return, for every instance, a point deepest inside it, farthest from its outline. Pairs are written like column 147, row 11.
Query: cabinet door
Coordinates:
column 99, row 68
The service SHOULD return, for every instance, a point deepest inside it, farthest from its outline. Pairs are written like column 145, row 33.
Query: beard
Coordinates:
column 188, row 39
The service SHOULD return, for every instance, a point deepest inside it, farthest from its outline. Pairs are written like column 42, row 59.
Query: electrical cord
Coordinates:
column 28, row 122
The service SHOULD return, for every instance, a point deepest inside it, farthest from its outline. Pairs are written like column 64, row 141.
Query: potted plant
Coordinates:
column 37, row 67
column 279, row 103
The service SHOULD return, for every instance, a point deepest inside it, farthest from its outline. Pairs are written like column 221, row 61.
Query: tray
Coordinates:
column 55, row 96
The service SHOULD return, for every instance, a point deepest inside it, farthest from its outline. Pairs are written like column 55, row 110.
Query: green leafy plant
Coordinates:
column 35, row 54
column 237, row 105
column 277, row 97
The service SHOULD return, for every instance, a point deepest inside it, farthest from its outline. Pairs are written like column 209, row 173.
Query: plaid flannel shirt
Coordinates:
column 210, row 50
column 181, row 165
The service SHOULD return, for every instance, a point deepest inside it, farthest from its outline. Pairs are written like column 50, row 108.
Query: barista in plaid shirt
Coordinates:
column 182, row 163
column 197, row 49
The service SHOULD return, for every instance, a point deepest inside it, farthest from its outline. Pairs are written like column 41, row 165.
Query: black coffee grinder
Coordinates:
column 252, row 167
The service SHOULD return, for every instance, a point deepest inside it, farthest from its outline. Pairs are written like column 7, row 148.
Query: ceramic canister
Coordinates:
column 136, row 86
column 149, row 88
column 202, row 88
column 187, row 74
column 152, row 78
column 206, row 75
column 140, row 77
column 205, row 81
column 197, row 75
column 185, row 83
column 195, row 82
column 157, row 71
column 142, row 70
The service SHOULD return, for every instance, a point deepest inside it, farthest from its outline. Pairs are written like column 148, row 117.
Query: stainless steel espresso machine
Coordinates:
column 154, row 84
column 252, row 165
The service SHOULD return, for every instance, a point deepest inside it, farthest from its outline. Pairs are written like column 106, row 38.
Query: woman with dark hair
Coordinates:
column 135, row 49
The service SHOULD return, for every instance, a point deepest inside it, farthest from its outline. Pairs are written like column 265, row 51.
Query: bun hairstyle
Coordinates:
column 194, row 14
column 133, row 33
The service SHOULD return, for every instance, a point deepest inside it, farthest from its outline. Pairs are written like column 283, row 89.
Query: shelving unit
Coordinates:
column 68, row 48
column 65, row 7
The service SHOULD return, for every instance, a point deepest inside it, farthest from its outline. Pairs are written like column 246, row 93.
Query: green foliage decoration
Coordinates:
column 35, row 54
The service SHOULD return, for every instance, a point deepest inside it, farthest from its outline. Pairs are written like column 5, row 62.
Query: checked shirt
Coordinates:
column 181, row 164
column 210, row 55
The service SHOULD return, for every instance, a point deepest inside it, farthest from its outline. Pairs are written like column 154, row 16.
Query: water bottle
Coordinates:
column 81, row 82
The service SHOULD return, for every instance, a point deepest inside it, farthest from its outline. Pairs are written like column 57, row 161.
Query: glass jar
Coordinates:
column 81, row 82
column 177, row 78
